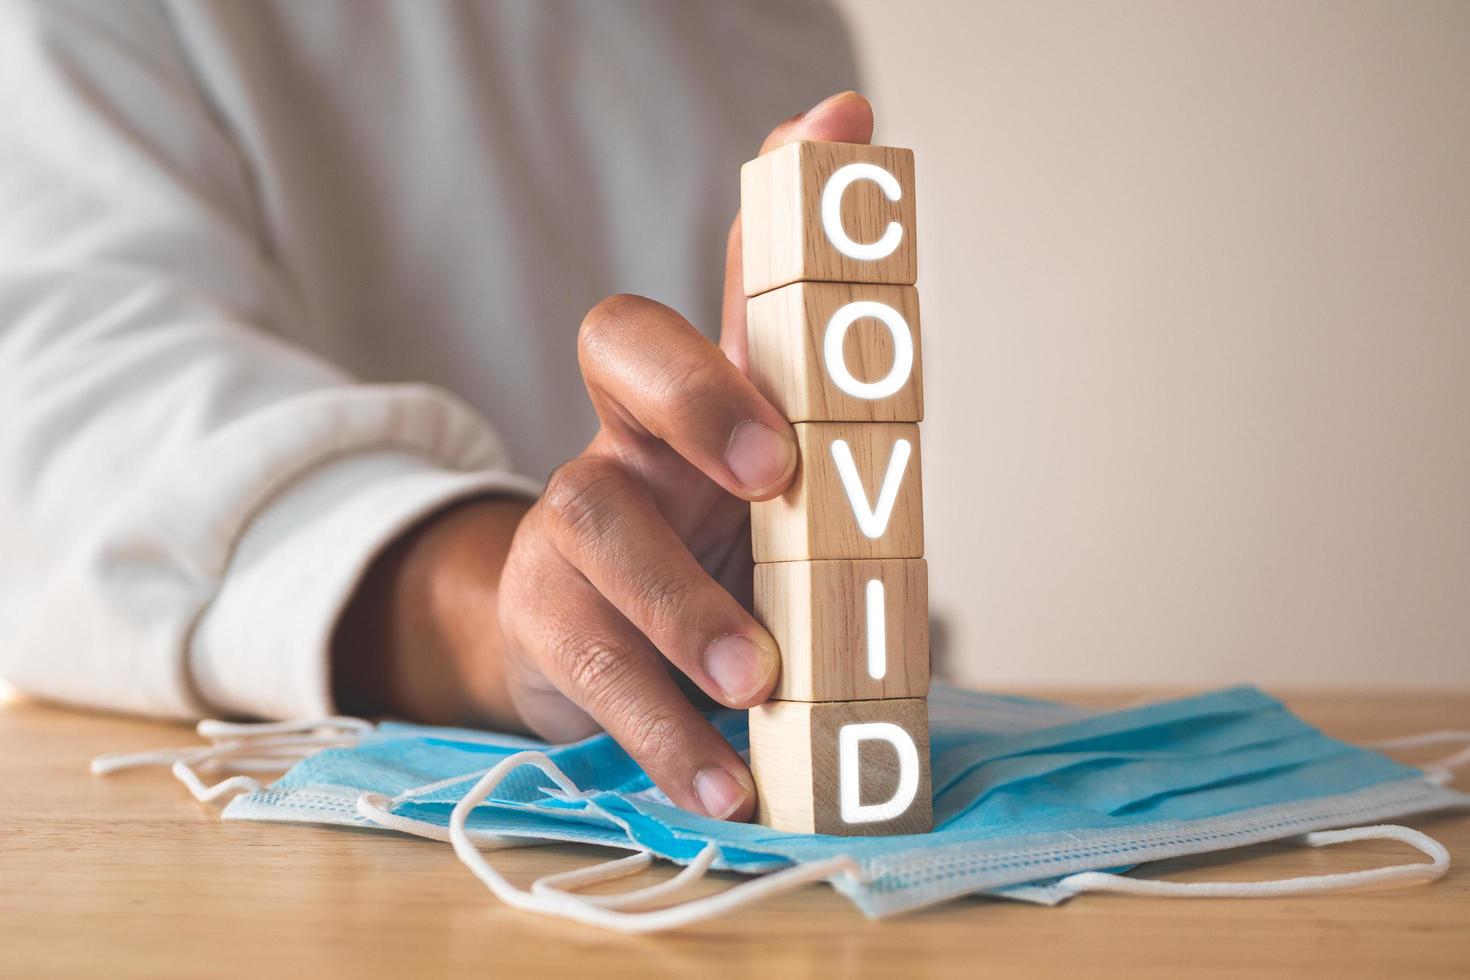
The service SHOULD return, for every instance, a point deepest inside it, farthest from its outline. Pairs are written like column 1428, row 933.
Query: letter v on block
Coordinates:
column 872, row 520
column 857, row 494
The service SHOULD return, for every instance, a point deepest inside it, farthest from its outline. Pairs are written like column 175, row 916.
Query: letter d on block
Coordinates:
column 849, row 772
column 810, row 766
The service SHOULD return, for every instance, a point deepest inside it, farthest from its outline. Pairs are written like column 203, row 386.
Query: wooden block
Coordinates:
column 828, row 351
column 842, row 767
column 857, row 493
column 832, row 212
column 848, row 630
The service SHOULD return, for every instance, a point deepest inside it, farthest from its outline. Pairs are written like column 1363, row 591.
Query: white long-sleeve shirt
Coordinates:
column 277, row 279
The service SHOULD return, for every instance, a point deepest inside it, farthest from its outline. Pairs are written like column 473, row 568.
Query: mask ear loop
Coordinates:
column 1103, row 881
column 214, row 729
column 606, row 911
column 377, row 808
column 553, row 901
column 1438, row 771
column 251, row 746
column 637, row 899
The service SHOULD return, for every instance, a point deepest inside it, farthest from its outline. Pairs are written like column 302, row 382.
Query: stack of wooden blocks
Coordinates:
column 840, row 578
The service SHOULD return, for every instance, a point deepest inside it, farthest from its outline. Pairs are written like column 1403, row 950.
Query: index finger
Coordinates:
column 652, row 374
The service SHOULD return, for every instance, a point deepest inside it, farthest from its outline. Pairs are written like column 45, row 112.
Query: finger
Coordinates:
column 732, row 308
column 601, row 662
column 605, row 523
column 846, row 117
column 535, row 573
column 650, row 373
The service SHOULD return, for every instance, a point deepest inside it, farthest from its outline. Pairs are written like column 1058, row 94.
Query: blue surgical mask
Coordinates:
column 1031, row 800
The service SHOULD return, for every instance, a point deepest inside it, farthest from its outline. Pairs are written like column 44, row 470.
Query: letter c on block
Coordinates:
column 832, row 211
column 836, row 360
column 849, row 778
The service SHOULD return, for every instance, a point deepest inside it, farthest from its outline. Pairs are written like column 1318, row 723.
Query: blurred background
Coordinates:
column 1196, row 290
column 1196, row 293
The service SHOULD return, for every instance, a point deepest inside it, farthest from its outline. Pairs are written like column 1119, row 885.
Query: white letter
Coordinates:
column 872, row 521
column 849, row 780
column 832, row 211
column 903, row 350
column 877, row 631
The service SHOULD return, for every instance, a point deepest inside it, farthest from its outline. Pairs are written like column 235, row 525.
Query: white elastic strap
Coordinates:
column 115, row 761
column 1440, row 771
column 608, row 912
column 208, row 793
column 275, row 752
column 1102, row 881
column 214, row 729
column 250, row 746
column 641, row 898
column 377, row 808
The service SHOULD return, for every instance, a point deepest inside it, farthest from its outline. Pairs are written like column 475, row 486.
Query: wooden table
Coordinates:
column 128, row 877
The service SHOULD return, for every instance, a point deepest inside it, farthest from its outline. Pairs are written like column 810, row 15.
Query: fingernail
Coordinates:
column 828, row 101
column 719, row 792
column 759, row 456
column 738, row 666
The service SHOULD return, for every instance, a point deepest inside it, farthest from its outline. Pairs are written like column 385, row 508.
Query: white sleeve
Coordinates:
column 186, row 501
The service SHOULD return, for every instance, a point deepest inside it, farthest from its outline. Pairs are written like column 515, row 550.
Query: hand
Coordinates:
column 632, row 569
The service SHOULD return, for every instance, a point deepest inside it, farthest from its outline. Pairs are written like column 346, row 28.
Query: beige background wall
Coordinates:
column 1196, row 290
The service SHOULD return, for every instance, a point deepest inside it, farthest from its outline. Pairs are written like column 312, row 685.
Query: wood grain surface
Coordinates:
column 817, row 613
column 785, row 332
column 781, row 228
column 815, row 519
column 128, row 877
column 794, row 757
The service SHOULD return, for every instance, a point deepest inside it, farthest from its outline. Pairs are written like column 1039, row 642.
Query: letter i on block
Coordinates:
column 833, row 333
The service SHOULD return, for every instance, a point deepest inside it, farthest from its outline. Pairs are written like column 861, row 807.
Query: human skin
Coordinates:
column 625, row 588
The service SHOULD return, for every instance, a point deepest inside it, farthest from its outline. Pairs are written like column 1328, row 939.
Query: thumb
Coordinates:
column 842, row 118
column 846, row 117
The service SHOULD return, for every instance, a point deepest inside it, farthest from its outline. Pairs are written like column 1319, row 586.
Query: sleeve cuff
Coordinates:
column 262, row 647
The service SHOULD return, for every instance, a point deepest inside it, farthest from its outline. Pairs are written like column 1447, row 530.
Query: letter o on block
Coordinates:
column 836, row 360
column 833, row 351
